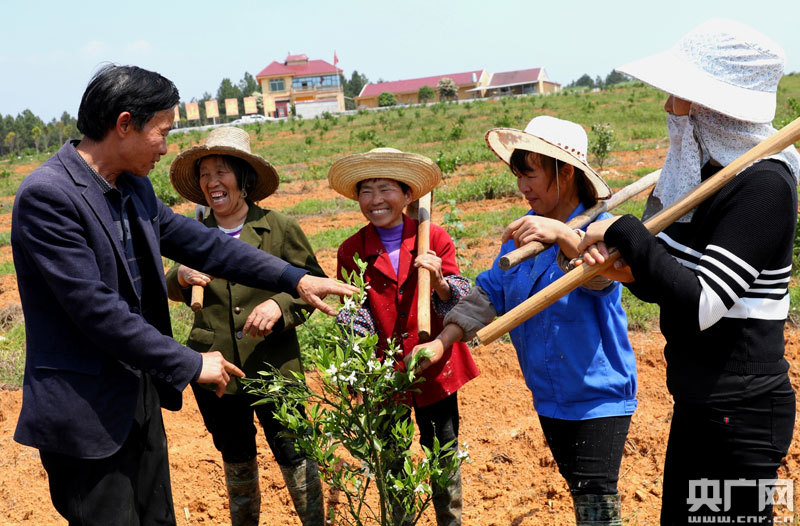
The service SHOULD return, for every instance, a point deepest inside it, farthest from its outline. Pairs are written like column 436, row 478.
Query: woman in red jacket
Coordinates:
column 384, row 181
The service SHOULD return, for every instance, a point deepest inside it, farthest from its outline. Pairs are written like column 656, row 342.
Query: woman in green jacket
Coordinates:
column 250, row 327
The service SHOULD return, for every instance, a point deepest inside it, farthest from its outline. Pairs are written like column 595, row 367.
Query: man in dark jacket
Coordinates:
column 88, row 235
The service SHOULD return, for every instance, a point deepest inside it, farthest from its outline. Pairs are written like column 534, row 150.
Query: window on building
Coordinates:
column 276, row 85
column 301, row 83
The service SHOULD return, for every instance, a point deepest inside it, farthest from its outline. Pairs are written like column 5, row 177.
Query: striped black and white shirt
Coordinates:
column 721, row 281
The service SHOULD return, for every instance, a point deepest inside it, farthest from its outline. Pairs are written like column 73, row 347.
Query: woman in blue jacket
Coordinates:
column 575, row 355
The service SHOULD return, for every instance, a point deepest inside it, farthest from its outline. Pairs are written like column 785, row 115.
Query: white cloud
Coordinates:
column 94, row 50
column 139, row 46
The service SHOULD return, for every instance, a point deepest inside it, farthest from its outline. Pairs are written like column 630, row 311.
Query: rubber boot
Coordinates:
column 447, row 502
column 244, row 497
column 305, row 488
column 597, row 510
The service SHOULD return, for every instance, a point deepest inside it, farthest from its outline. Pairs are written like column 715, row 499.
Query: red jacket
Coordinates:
column 392, row 301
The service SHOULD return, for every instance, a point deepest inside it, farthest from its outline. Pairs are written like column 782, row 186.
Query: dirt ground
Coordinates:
column 512, row 479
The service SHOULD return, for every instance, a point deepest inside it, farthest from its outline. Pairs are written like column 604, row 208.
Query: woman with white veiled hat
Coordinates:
column 250, row 327
column 720, row 274
column 575, row 356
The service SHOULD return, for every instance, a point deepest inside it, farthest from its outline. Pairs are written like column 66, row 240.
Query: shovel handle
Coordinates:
column 423, row 274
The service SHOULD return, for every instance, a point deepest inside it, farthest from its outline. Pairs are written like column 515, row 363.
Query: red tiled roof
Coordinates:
column 296, row 58
column 403, row 86
column 313, row 67
column 508, row 78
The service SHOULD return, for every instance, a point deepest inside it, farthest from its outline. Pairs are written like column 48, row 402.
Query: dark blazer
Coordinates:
column 88, row 333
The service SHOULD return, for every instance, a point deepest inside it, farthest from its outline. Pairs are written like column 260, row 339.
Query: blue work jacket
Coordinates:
column 575, row 355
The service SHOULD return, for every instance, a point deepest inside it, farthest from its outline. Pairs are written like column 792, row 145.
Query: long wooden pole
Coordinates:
column 530, row 250
column 424, row 275
column 787, row 136
column 197, row 291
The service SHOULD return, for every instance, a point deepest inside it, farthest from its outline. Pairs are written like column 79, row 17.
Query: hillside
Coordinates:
column 513, row 479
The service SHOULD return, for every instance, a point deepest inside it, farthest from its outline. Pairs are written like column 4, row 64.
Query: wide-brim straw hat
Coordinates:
column 723, row 65
column 417, row 171
column 551, row 137
column 227, row 140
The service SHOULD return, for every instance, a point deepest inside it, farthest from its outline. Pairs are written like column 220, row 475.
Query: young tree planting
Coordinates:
column 356, row 428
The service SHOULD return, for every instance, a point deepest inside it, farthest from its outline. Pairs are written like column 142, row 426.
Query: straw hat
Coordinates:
column 227, row 140
column 721, row 64
column 417, row 171
column 552, row 137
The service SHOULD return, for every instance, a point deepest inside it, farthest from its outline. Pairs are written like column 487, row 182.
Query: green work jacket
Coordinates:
column 226, row 306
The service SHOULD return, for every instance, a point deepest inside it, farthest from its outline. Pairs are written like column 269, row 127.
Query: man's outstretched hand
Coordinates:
column 313, row 290
column 217, row 370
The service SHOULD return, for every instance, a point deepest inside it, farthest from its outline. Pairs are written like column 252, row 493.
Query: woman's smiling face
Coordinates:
column 219, row 186
column 382, row 202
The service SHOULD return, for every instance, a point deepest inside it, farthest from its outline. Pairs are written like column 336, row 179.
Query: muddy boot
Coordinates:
column 305, row 488
column 447, row 502
column 244, row 497
column 597, row 510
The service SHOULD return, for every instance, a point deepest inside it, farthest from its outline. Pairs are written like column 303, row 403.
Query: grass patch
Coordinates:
column 616, row 184
column 478, row 189
column 640, row 172
column 331, row 238
column 641, row 315
column 12, row 355
column 320, row 207
column 182, row 319
column 5, row 238
column 482, row 224
column 632, row 207
column 7, row 268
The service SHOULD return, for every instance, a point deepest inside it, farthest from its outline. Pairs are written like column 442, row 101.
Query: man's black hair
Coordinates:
column 116, row 89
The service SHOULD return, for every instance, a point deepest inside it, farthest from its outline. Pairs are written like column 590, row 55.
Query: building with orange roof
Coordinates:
column 311, row 86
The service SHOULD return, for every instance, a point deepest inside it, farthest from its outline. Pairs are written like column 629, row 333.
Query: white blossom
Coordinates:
column 332, row 370
column 419, row 489
column 351, row 379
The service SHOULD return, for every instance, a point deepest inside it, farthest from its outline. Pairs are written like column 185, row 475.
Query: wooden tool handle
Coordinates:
column 785, row 137
column 530, row 250
column 197, row 290
column 197, row 298
column 424, row 275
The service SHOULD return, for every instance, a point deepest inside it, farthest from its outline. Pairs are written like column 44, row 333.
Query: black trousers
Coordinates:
column 711, row 444
column 439, row 420
column 588, row 452
column 129, row 488
column 230, row 421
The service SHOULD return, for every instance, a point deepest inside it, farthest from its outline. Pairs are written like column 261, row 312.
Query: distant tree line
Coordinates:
column 27, row 134
column 585, row 81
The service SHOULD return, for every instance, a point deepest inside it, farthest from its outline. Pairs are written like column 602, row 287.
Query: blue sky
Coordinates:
column 49, row 50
